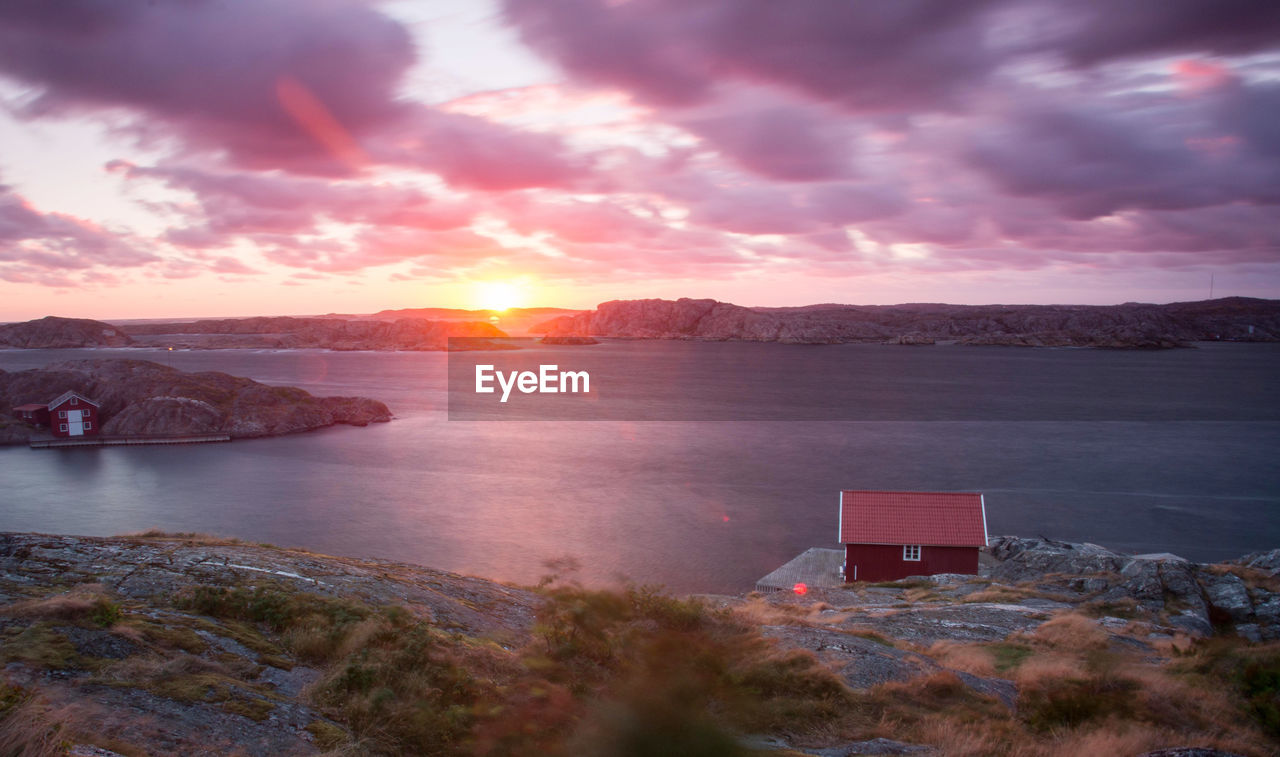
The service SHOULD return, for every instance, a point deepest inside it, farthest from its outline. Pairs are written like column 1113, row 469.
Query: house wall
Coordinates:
column 88, row 413
column 883, row 562
column 37, row 417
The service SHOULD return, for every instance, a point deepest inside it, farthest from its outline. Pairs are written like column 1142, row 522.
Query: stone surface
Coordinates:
column 1228, row 594
column 865, row 662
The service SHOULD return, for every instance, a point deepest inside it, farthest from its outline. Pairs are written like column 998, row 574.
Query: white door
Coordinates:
column 75, row 424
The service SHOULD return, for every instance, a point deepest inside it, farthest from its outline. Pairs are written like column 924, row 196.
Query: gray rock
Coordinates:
column 1189, row 751
column 1249, row 631
column 1268, row 561
column 864, row 663
column 1020, row 559
column 1266, row 606
column 1228, row 594
column 1194, row 623
column 870, row 746
column 1141, row 581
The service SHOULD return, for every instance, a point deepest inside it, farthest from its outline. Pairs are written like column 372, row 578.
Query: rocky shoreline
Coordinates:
column 171, row 643
column 142, row 398
column 1128, row 326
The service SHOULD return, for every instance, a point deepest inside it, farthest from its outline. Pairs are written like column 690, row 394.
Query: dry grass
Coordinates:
column 28, row 728
column 760, row 611
column 1071, row 631
column 189, row 537
column 82, row 603
column 969, row 658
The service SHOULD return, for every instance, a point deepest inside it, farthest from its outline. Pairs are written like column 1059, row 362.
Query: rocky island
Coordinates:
column 331, row 333
column 142, row 398
column 179, row 643
column 1133, row 325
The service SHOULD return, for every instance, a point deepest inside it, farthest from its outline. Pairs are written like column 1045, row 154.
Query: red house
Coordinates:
column 892, row 535
column 33, row 413
column 73, row 414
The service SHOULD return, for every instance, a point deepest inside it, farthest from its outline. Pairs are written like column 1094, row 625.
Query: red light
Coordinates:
column 801, row 589
column 726, row 519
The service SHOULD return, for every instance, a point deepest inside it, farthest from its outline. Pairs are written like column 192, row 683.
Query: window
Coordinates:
column 62, row 413
column 88, row 426
column 911, row 552
column 62, row 427
column 75, row 400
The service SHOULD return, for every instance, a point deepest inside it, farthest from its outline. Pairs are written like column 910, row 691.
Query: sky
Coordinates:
column 191, row 158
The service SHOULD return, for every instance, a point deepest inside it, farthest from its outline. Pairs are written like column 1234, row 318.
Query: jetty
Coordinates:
column 124, row 441
column 815, row 568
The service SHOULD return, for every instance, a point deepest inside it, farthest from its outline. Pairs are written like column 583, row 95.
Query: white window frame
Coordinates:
column 75, row 400
column 911, row 552
column 88, row 426
column 62, row 413
column 62, row 427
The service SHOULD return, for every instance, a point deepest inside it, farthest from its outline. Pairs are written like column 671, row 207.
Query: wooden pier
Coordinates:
column 122, row 441
column 815, row 568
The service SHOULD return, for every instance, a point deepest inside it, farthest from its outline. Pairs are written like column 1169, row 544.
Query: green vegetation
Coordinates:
column 1251, row 672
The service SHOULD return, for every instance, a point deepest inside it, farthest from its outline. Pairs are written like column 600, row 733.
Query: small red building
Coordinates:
column 892, row 535
column 33, row 413
column 73, row 414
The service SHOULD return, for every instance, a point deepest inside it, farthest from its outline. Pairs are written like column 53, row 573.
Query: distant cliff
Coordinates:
column 301, row 333
column 1132, row 325
column 143, row 398
column 53, row 331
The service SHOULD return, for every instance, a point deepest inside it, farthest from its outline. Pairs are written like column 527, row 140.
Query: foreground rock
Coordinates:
column 1115, row 326
column 55, row 332
column 140, row 398
column 187, row 645
column 164, row 679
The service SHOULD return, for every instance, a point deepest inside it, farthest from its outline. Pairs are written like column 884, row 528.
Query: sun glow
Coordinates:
column 497, row 295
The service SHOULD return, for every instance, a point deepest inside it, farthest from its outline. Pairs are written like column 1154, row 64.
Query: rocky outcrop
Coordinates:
column 170, row 643
column 1132, row 325
column 144, row 398
column 55, row 332
column 1198, row 599
column 311, row 333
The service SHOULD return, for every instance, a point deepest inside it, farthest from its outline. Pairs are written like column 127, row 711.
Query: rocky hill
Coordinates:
column 184, row 644
column 296, row 333
column 1122, row 326
column 55, row 332
column 138, row 397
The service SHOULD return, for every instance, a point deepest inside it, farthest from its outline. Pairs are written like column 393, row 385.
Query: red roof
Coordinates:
column 32, row 406
column 937, row 519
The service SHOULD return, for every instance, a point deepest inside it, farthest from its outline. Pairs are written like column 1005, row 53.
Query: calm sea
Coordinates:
column 1140, row 451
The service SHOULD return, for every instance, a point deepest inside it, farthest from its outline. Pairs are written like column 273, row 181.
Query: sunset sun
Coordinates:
column 497, row 295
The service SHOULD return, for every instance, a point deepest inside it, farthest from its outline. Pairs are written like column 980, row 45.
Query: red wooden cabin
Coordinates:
column 73, row 414
column 33, row 413
column 892, row 535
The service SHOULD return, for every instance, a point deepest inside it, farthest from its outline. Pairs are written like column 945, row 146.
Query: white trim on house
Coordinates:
column 68, row 395
column 986, row 538
column 840, row 520
column 62, row 427
column 911, row 549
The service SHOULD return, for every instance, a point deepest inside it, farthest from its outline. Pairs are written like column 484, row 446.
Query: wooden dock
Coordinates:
column 123, row 441
column 815, row 568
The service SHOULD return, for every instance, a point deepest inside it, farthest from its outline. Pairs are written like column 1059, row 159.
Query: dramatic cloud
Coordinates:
column 908, row 53
column 690, row 140
column 47, row 247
